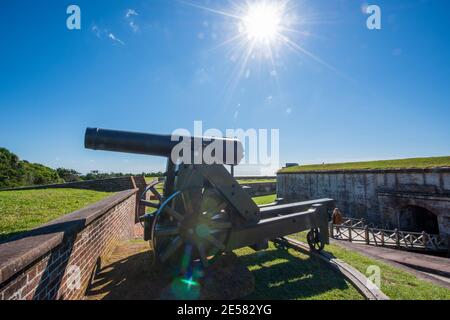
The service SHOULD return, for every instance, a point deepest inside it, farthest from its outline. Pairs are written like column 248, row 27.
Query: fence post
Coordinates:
column 382, row 238
column 366, row 231
column 350, row 234
column 397, row 238
column 424, row 239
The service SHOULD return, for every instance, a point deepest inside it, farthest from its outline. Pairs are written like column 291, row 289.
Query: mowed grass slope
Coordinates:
column 265, row 199
column 290, row 275
column 397, row 284
column 24, row 210
column 413, row 163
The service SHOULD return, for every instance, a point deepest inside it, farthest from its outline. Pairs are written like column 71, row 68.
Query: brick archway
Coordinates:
column 417, row 219
column 391, row 205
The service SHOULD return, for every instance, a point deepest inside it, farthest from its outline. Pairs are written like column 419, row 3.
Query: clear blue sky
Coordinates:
column 382, row 94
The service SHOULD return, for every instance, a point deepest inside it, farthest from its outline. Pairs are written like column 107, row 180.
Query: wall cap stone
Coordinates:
column 28, row 247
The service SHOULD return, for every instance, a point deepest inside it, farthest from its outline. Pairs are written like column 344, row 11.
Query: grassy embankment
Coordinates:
column 413, row 163
column 395, row 283
column 24, row 210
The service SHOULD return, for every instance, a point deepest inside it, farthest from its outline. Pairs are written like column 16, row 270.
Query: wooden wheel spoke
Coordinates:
column 211, row 239
column 220, row 225
column 156, row 193
column 201, row 251
column 171, row 249
column 187, row 204
column 150, row 204
column 175, row 214
column 167, row 231
column 216, row 210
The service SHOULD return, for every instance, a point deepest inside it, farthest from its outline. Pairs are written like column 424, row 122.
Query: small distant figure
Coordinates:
column 337, row 217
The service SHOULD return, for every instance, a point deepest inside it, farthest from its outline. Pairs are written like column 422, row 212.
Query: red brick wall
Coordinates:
column 64, row 271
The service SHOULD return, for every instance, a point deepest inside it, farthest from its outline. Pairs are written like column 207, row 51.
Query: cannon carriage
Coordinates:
column 203, row 211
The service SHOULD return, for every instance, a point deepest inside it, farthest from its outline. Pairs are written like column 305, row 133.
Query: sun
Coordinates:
column 262, row 22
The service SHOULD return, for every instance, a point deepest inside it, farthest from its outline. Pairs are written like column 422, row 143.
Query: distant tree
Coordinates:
column 69, row 175
column 96, row 175
column 37, row 174
column 17, row 173
column 154, row 174
column 11, row 170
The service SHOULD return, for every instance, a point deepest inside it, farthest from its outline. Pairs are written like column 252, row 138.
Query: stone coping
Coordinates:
column 28, row 247
column 404, row 170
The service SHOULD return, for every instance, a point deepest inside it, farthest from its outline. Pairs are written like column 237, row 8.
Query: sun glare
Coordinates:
column 262, row 33
column 262, row 22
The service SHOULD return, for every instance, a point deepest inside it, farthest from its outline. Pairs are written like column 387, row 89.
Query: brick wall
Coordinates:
column 56, row 261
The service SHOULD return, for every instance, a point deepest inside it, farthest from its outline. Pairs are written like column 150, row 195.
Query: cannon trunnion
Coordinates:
column 203, row 211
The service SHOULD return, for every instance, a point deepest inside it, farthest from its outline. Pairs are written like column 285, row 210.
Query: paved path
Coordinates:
column 432, row 268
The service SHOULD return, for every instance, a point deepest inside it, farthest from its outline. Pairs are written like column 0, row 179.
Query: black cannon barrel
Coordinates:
column 158, row 145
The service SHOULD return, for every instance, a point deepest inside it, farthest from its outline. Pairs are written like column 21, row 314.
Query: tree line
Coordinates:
column 20, row 173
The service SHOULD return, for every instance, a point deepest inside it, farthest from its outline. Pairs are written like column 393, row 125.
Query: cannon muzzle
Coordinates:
column 164, row 145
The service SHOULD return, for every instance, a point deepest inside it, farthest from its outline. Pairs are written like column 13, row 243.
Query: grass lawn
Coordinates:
column 395, row 283
column 265, row 199
column 417, row 163
column 24, row 210
column 150, row 179
column 244, row 181
column 289, row 275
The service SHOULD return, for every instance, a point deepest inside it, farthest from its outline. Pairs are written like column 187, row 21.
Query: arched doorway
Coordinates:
column 418, row 219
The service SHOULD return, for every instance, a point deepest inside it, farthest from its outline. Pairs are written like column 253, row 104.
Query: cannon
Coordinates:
column 202, row 211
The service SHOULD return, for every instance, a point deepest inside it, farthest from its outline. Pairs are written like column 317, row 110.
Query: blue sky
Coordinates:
column 378, row 93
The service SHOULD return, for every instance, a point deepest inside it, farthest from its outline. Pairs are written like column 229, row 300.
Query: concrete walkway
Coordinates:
column 427, row 267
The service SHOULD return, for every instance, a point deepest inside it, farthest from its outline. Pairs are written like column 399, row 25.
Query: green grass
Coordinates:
column 395, row 283
column 24, row 210
column 416, row 163
column 265, row 199
column 289, row 275
column 150, row 179
column 244, row 181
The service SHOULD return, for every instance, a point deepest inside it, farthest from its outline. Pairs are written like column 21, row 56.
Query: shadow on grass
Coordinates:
column 8, row 237
column 280, row 275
